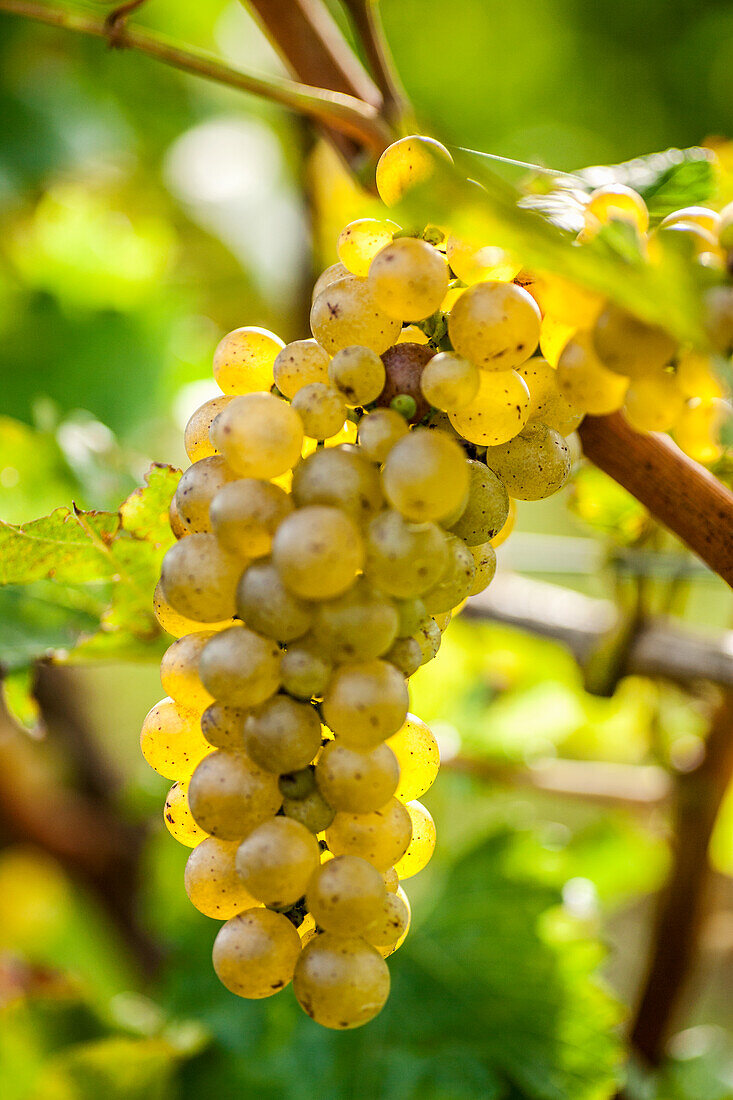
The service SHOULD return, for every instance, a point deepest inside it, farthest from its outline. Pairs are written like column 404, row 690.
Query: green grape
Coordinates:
column 358, row 373
column 449, row 382
column 391, row 924
column 176, row 624
column 498, row 411
column 259, row 435
column 265, row 604
column 347, row 313
column 628, row 346
column 391, row 880
column 331, row 275
column 341, row 477
column 318, row 551
column 244, row 358
column 197, row 488
column 402, row 558
column 245, row 515
column 495, row 325
column 357, row 781
column 223, row 727
column 533, row 465
column 405, row 163
column 654, row 403
column 198, row 579
column 255, row 953
column 360, row 241
column 299, row 364
column 298, row 784
column 379, row 431
column 177, row 816
column 171, row 740
column 211, row 880
column 385, row 950
column 357, row 626
column 322, row 410
column 312, row 811
column 484, row 557
column 487, row 509
column 409, row 279
column 283, row 735
column 585, row 382
column 346, row 895
column 546, row 401
column 381, row 837
column 479, row 264
column 425, row 476
column 429, row 637
column 196, row 438
column 365, row 703
column 276, row 861
column 615, row 202
column 418, row 757
column 240, row 668
column 445, row 617
column 229, row 795
column 179, row 671
column 455, row 584
column 341, row 983
column 406, row 655
column 422, row 844
column 412, row 613
column 304, row 671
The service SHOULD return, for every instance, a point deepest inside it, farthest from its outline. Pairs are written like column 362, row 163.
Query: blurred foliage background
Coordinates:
column 142, row 215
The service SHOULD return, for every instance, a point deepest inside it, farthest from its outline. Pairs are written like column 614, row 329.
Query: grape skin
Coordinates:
column 276, row 861
column 533, row 465
column 282, row 735
column 299, row 364
column 409, row 279
column 178, row 819
column 495, row 325
column 245, row 514
column 357, row 781
column 347, row 313
column 196, row 439
column 422, row 843
column 198, row 579
column 211, row 880
column 240, row 668
column 317, row 552
column 403, row 558
column 418, row 757
column 499, row 410
column 171, row 740
column 365, row 703
column 255, row 953
column 341, row 982
column 346, row 895
column 265, row 604
column 357, row 626
column 425, row 476
column 196, row 490
column 179, row 671
column 487, row 509
column 259, row 435
column 405, row 163
column 358, row 373
column 176, row 624
column 229, row 795
column 382, row 837
column 244, row 358
column 339, row 477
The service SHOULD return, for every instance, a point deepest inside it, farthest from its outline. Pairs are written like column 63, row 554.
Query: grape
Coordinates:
column 484, row 557
column 695, row 376
column 276, row 860
column 409, row 279
column 259, row 435
column 255, row 953
column 322, row 410
column 564, row 303
column 425, row 476
column 299, row 364
column 703, row 243
column 211, row 880
column 654, row 403
column 412, row 613
column 177, row 526
column 177, row 816
column 229, row 795
column 196, row 490
column 391, row 924
column 405, row 163
column 546, row 402
column 411, row 334
column 196, row 438
column 381, row 837
column 476, row 264
column 422, row 844
column 554, row 336
column 245, row 515
column 244, row 358
column 389, row 949
column 318, row 551
column 391, row 880
column 265, row 604
column 428, row 637
column 697, row 215
column 304, row 671
column 357, row 781
column 331, row 275
column 533, row 465
column 404, row 365
column 198, row 579
column 240, row 668
column 223, row 727
column 442, row 620
column 283, row 735
column 360, row 241
column 697, row 427
column 176, row 624
column 449, row 381
column 357, row 626
column 347, row 313
column 365, row 703
column 585, row 382
column 379, row 431
column 298, row 784
column 312, row 811
column 179, row 671
column 508, row 526
column 628, row 346
column 455, row 584
column 418, row 757
column 358, row 373
column 406, row 655
column 171, row 740
column 495, row 325
column 487, row 509
column 341, row 983
column 346, row 895
column 498, row 411
column 339, row 476
column 402, row 558
column 614, row 201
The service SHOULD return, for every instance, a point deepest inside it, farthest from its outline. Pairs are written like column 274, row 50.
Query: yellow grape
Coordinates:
column 346, row 895
column 196, row 435
column 358, row 373
column 392, row 923
column 341, row 477
column 628, row 346
column 534, row 465
column 365, row 703
column 409, row 279
column 357, row 781
column 266, row 605
column 360, row 241
column 449, row 382
column 696, row 376
column 317, row 552
column 259, row 435
column 498, row 411
column 178, row 818
column 508, row 526
column 211, row 880
column 554, row 335
column 562, row 302
column 255, row 953
column 484, row 557
column 239, row 667
column 405, row 163
column 283, row 735
column 197, row 488
column 244, row 358
column 176, row 624
column 654, row 403
column 421, row 845
column 198, row 579
column 585, row 382
column 615, row 201
column 478, row 264
column 347, row 313
column 341, row 982
column 425, row 476
column 487, row 509
column 546, row 402
column 495, row 325
column 277, row 860
column 229, row 795
column 455, row 584
column 404, row 559
column 322, row 410
column 411, row 334
column 696, row 430
column 245, row 514
column 381, row 837
column 171, row 740
column 179, row 672
column 357, row 626
column 418, row 756
column 298, row 364
column 223, row 727
column 379, row 430
column 331, row 275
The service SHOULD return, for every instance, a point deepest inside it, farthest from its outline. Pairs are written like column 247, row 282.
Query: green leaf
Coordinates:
column 17, row 688
column 145, row 512
column 44, row 619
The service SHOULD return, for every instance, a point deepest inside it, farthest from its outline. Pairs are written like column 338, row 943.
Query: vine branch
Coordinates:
column 366, row 18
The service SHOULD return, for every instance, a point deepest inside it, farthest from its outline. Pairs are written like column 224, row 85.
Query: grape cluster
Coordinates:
column 344, row 498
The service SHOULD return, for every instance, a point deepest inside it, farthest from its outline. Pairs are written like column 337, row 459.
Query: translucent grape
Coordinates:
column 409, row 279
column 698, row 215
column 422, row 844
column 179, row 671
column 429, row 637
column 626, row 345
column 562, row 302
column 304, row 670
column 385, row 950
column 322, row 410
column 498, row 411
column 703, row 242
column 223, row 727
column 412, row 612
column 379, row 431
column 331, row 275
column 171, row 740
column 533, row 465
column 347, row 313
column 196, row 438
column 198, row 579
column 265, row 604
column 346, row 895
column 546, row 401
column 402, row 558
column 342, row 477
column 697, row 427
column 443, row 619
column 381, row 837
column 283, row 735
column 554, row 335
column 259, row 435
column 178, row 528
column 449, row 381
column 425, row 475
column 478, row 264
column 178, row 819
column 405, row 163
column 358, row 373
column 508, row 526
column 229, row 795
column 357, row 781
column 487, row 509
column 615, row 201
column 406, row 655
column 455, row 583
column 418, row 757
column 585, row 382
column 411, row 334
column 240, row 667
column 357, row 626
column 197, row 488
column 299, row 364
column 276, row 861
column 318, row 551
column 391, row 924
column 495, row 325
column 484, row 557
column 255, row 953
column 245, row 514
column 360, row 241
column 696, row 377
column 211, row 880
column 312, row 811
column 365, row 703
column 244, row 358
column 176, row 624
column 654, row 403
column 391, row 880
